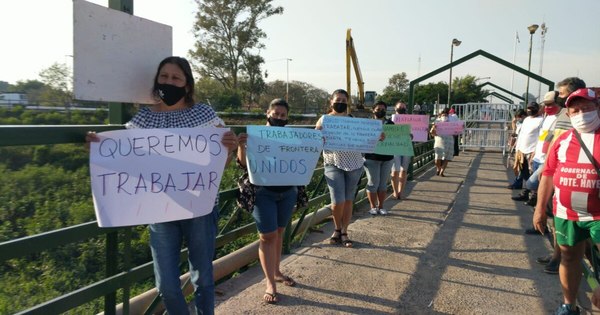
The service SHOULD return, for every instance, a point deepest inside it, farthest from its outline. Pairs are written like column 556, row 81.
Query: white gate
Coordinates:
column 486, row 125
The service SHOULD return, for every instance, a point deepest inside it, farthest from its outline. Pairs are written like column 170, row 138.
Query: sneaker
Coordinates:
column 543, row 260
column 523, row 196
column 373, row 211
column 383, row 211
column 552, row 267
column 565, row 309
column 531, row 202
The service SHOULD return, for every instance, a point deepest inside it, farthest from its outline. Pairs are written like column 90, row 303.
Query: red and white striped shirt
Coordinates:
column 576, row 183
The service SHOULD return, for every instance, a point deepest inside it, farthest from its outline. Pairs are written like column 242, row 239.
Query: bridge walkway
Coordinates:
column 455, row 245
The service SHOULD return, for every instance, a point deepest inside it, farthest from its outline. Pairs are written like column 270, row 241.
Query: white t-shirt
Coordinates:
column 528, row 135
column 540, row 155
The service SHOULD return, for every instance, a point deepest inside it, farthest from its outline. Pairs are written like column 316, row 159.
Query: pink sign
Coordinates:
column 419, row 125
column 449, row 128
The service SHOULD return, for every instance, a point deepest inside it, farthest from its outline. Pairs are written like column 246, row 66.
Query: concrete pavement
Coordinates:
column 455, row 245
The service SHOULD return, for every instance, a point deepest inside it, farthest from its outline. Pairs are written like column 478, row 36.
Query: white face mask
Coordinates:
column 586, row 122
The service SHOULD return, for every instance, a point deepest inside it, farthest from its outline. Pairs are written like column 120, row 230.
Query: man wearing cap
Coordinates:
column 526, row 142
column 573, row 177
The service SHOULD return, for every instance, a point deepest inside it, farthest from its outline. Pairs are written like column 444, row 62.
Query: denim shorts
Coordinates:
column 378, row 174
column 342, row 184
column 272, row 209
column 401, row 163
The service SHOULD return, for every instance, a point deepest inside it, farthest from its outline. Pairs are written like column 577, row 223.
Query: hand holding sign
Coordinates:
column 142, row 176
column 282, row 156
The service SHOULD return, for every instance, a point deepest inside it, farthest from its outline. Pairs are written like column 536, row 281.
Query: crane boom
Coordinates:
column 352, row 58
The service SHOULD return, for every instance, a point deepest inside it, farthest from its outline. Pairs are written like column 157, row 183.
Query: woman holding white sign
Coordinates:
column 443, row 146
column 272, row 210
column 173, row 90
column 342, row 172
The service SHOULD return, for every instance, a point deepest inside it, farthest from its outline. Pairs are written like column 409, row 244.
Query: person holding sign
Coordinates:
column 272, row 210
column 378, row 168
column 401, row 162
column 342, row 172
column 443, row 146
column 173, row 90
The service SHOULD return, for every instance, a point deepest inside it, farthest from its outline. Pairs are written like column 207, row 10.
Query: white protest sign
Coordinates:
column 142, row 176
column 278, row 156
column 351, row 134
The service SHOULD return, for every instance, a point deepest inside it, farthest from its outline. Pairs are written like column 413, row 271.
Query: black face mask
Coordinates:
column 277, row 122
column 340, row 107
column 379, row 113
column 561, row 101
column 170, row 94
column 532, row 112
column 401, row 111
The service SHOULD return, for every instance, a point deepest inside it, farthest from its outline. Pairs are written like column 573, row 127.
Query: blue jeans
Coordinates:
column 378, row 174
column 342, row 184
column 166, row 240
column 273, row 209
column 533, row 182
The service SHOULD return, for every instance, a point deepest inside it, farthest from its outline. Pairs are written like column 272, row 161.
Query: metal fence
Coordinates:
column 486, row 125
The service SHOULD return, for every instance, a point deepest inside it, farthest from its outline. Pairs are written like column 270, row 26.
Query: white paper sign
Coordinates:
column 278, row 156
column 351, row 134
column 115, row 54
column 142, row 176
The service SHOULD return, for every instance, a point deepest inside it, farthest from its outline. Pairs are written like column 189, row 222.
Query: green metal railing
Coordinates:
column 115, row 238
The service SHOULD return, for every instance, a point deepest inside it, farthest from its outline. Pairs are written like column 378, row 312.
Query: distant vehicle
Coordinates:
column 13, row 98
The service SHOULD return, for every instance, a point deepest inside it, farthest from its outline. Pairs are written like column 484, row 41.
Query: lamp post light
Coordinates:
column 455, row 42
column 287, row 80
column 532, row 28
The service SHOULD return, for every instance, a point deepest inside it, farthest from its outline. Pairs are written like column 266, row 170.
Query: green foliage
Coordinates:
column 228, row 33
column 303, row 97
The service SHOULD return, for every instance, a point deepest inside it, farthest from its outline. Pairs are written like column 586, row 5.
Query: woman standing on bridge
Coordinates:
column 272, row 209
column 342, row 172
column 443, row 146
column 173, row 91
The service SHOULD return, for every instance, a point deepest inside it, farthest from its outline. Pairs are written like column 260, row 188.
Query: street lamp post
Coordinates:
column 532, row 28
column 287, row 80
column 455, row 42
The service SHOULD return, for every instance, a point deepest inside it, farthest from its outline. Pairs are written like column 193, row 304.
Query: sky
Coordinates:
column 390, row 36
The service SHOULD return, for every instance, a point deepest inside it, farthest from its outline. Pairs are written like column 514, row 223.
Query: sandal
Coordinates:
column 286, row 280
column 347, row 242
column 336, row 239
column 270, row 298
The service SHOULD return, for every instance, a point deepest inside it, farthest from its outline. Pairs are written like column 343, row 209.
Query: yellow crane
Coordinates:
column 352, row 58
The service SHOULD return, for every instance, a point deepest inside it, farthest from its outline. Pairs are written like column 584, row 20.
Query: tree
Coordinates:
column 228, row 33
column 210, row 91
column 252, row 83
column 466, row 90
column 303, row 97
column 398, row 82
column 58, row 78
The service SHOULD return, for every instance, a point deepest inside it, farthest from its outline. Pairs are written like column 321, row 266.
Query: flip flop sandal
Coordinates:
column 287, row 281
column 270, row 298
column 336, row 240
column 347, row 242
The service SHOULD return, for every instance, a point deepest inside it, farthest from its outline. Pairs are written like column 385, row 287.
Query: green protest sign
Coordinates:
column 397, row 141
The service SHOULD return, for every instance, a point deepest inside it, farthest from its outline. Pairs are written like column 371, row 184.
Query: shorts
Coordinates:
column 445, row 154
column 569, row 233
column 272, row 209
column 401, row 163
column 378, row 174
column 342, row 184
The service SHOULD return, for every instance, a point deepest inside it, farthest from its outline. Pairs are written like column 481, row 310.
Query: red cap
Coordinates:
column 588, row 94
column 451, row 111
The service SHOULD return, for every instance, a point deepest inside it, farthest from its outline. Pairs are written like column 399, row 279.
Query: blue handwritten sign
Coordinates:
column 142, row 176
column 397, row 141
column 351, row 134
column 282, row 156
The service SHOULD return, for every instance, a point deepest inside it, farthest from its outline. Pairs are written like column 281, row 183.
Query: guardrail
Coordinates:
column 120, row 274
